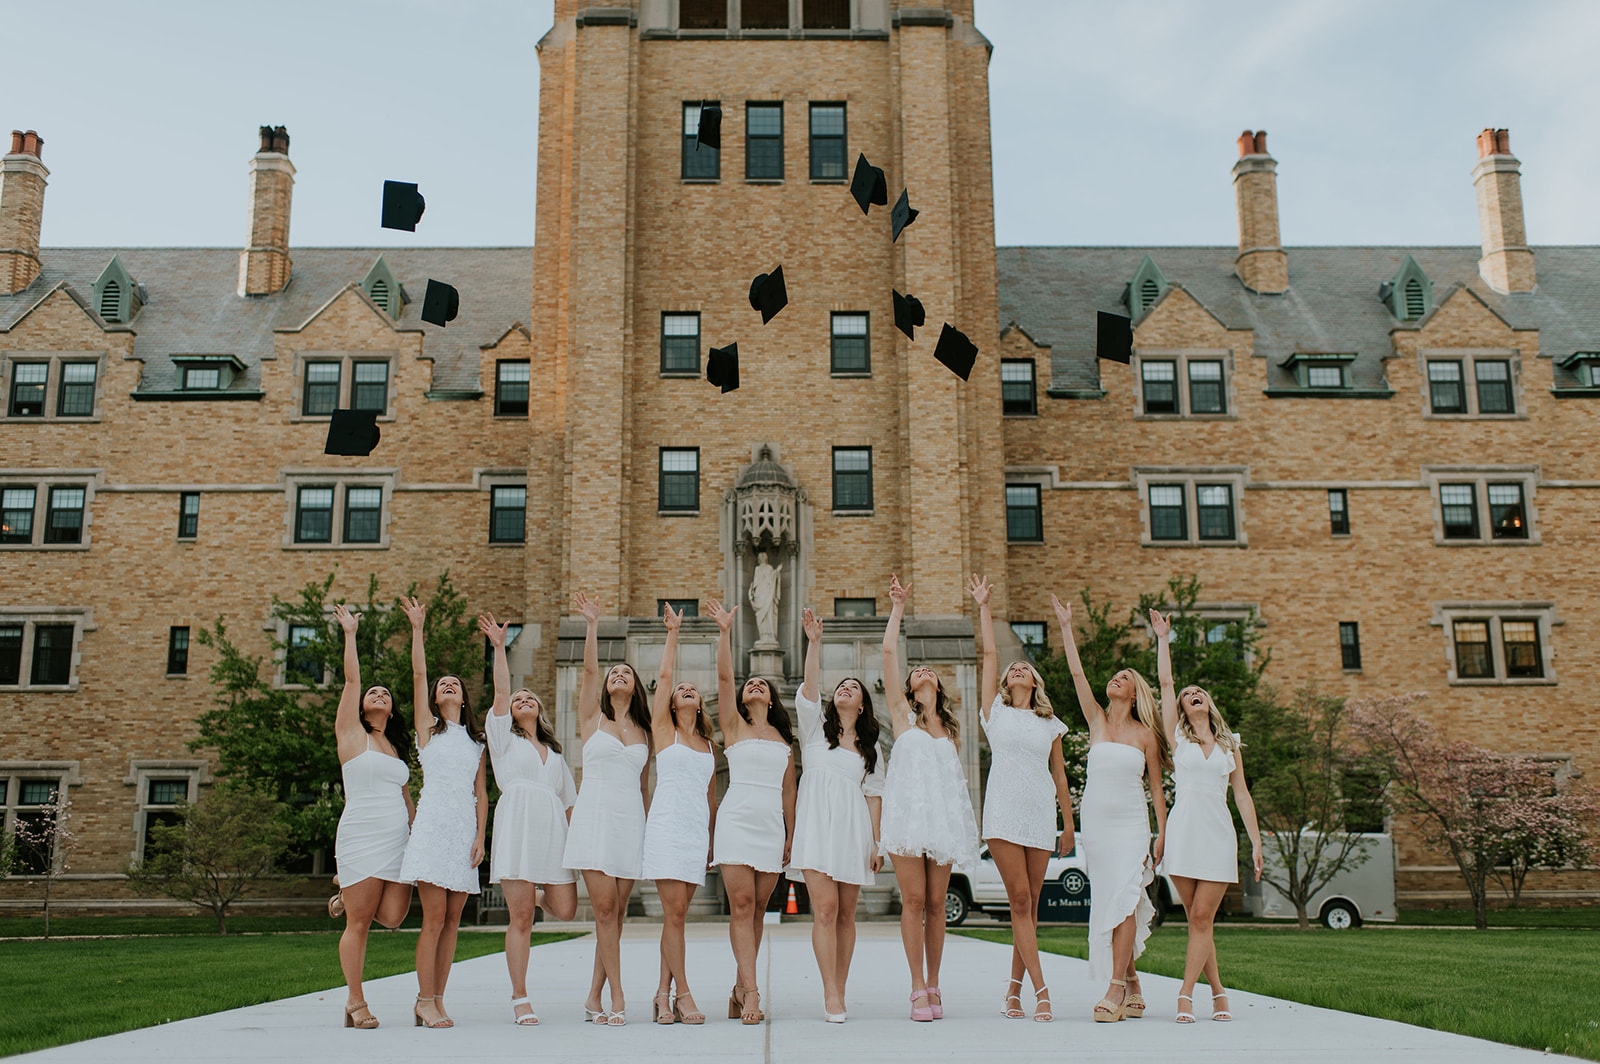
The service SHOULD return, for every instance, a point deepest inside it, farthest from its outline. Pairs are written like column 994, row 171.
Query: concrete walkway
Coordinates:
column 306, row 1028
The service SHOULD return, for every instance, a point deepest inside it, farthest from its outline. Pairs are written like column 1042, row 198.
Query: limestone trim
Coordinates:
column 54, row 360
column 1469, row 357
column 1190, row 479
column 1181, row 357
column 82, row 620
column 340, row 480
column 1445, row 614
column 140, row 773
column 347, row 362
column 43, row 481
column 1480, row 477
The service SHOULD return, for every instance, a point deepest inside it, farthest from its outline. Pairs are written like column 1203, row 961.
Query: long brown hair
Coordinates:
column 777, row 716
column 468, row 721
column 867, row 730
column 702, row 723
column 542, row 730
column 943, row 706
column 638, row 705
column 394, row 729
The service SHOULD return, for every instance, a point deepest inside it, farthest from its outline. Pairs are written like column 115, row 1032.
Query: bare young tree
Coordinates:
column 45, row 844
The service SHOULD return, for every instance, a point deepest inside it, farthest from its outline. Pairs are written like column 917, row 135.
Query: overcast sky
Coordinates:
column 1113, row 123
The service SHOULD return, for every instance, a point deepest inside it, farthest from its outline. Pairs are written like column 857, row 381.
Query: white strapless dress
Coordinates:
column 750, row 827
column 677, row 835
column 1114, row 831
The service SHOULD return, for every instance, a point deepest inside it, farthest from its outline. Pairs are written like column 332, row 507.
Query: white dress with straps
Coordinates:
column 832, row 824
column 375, row 825
column 677, row 835
column 607, row 831
column 1201, row 840
column 530, row 819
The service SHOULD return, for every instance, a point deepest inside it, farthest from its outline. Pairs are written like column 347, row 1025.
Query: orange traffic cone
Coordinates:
column 793, row 908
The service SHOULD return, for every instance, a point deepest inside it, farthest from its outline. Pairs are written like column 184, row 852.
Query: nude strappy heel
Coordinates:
column 662, row 1013
column 694, row 1018
column 1108, row 1011
column 416, row 1012
column 350, row 1020
column 1185, row 1017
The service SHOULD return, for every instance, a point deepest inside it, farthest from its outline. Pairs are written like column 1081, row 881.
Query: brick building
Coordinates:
column 1372, row 448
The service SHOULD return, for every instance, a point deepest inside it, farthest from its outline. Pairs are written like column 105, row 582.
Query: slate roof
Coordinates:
column 1332, row 303
column 192, row 306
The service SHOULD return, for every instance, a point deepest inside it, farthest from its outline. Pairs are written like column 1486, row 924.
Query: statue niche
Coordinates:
column 767, row 510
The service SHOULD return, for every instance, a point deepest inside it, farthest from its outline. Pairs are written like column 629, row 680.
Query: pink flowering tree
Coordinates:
column 1552, row 826
column 49, row 841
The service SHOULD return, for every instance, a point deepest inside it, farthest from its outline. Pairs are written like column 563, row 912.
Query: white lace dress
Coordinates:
column 1114, row 830
column 1019, row 804
column 832, row 824
column 530, row 819
column 677, row 835
column 926, row 809
column 1201, row 840
column 440, row 851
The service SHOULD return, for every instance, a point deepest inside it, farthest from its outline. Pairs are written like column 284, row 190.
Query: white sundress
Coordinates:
column 530, row 819
column 832, row 824
column 926, row 809
column 440, row 851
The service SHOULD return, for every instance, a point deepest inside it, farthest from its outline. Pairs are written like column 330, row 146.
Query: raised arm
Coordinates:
column 496, row 634
column 1162, row 627
column 589, row 689
column 418, row 614
column 980, row 589
column 1247, row 810
column 347, row 720
column 661, row 704
column 810, row 688
column 1095, row 717
column 892, row 685
column 727, row 701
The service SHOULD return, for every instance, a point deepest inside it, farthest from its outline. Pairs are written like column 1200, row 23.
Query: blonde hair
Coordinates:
column 1219, row 727
column 1038, row 701
column 1145, row 712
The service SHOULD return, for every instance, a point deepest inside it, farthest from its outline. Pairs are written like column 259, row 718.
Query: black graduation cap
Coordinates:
column 868, row 185
column 353, row 432
column 402, row 206
column 768, row 295
column 709, row 131
column 903, row 214
column 1113, row 337
column 722, row 367
column 956, row 351
column 440, row 303
column 908, row 314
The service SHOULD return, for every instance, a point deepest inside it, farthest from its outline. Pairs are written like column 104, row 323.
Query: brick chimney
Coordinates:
column 1507, row 262
column 264, row 263
column 1262, row 264
column 22, row 181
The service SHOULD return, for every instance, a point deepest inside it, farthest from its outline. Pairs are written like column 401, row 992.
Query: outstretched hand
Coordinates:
column 898, row 592
column 979, row 589
column 669, row 618
column 496, row 633
column 1160, row 624
column 588, row 608
column 1063, row 611
column 724, row 618
column 346, row 619
column 415, row 610
column 810, row 624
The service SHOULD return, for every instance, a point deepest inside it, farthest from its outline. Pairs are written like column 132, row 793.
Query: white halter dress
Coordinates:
column 375, row 825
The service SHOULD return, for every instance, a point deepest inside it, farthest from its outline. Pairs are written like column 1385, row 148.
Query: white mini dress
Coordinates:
column 530, row 819
column 1201, row 840
column 677, row 835
column 750, row 827
column 440, row 851
column 1019, row 804
column 926, row 809
column 832, row 824
column 607, row 830
column 375, row 825
column 1114, row 831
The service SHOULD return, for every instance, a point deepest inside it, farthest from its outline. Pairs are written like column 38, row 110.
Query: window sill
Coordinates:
column 829, row 181
column 337, row 546
column 1531, row 541
column 1021, row 417
column 1474, row 417
column 44, row 546
column 56, row 420
column 1520, row 681
column 1338, row 535
column 323, row 419
column 508, row 543
column 511, row 417
column 1075, row 393
column 679, row 375
column 763, row 180
column 39, row 688
column 1024, row 542
column 1353, row 672
column 177, row 676
column 1201, row 544
column 849, row 375
column 700, row 180
column 854, row 513
column 1186, row 417
column 677, row 513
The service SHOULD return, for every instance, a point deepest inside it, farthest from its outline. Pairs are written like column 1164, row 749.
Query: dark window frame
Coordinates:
column 320, row 389
column 178, row 650
column 838, row 366
column 75, row 535
column 1507, row 397
column 757, row 143
column 1220, row 384
column 1027, row 405
column 13, row 634
column 297, row 661
column 1182, row 510
column 66, row 389
column 351, row 511
column 1471, row 531
column 832, row 8
column 1201, row 511
column 814, row 139
column 1518, row 671
column 849, row 478
column 188, row 515
column 852, row 606
column 15, row 405
column 671, row 351
column 1015, row 533
column 687, row 606
column 712, row 16
column 662, row 482
column 693, row 149
column 504, row 405
column 25, row 537
column 59, row 657
column 1487, row 644
column 1436, row 387
column 497, row 511
column 1145, row 383
column 1514, row 516
column 301, row 510
column 1339, row 515
column 360, row 402
column 1350, row 644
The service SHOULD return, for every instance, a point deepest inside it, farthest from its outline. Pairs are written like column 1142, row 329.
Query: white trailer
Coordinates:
column 1349, row 899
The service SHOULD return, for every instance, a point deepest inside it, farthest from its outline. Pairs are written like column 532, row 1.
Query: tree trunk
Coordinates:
column 48, row 880
column 221, row 912
column 1300, row 912
column 1480, row 903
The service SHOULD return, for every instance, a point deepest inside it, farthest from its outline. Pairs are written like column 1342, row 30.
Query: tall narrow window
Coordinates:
column 1017, row 394
column 1339, row 511
column 1024, row 513
column 511, row 389
column 851, row 353
column 371, row 387
column 300, row 660
column 160, row 808
column 52, row 653
column 1494, row 386
column 178, row 650
column 188, row 515
column 363, row 515
column 27, row 388
column 508, row 514
column 1444, row 388
column 702, row 14
column 700, row 161
column 827, row 142
column 313, row 518
column 63, row 521
column 764, row 14
column 1507, row 515
column 763, row 142
column 1205, row 388
column 680, row 343
column 512, row 631
column 852, row 478
column 680, row 479
column 10, row 654
column 1473, row 660
column 16, row 514
column 321, row 389
column 77, row 390
column 1350, row 644
column 1160, row 387
column 1214, row 506
column 1458, row 507
column 37, row 806
column 825, row 14
column 1168, row 519
column 1523, row 659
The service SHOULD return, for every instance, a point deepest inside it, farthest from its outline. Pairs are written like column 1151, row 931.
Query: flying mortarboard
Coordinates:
column 1113, row 337
column 722, row 367
column 402, row 206
column 352, row 432
column 768, row 294
column 908, row 314
column 903, row 214
column 440, row 303
column 956, row 351
column 868, row 185
column 709, row 131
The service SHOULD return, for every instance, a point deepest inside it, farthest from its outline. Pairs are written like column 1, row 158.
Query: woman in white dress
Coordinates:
column 376, row 823
column 606, row 838
column 1127, row 750
column 530, row 819
column 1202, row 847
column 837, row 814
column 928, row 826
column 677, row 835
column 447, row 835
column 1027, row 783
column 755, row 820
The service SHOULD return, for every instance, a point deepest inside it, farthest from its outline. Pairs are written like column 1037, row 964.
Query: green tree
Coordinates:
column 280, row 739
column 217, row 850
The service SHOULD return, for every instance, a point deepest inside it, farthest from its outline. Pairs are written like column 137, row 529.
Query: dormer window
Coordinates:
column 1146, row 287
column 383, row 288
column 1320, row 371
column 1583, row 365
column 1409, row 294
column 111, row 301
column 380, row 294
column 116, row 294
column 206, row 373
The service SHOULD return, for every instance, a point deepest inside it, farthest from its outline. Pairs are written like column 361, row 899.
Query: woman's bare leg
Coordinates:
column 933, row 922
column 360, row 904
column 911, row 875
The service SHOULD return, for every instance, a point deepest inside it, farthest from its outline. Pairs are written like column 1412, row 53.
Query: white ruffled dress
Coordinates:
column 926, row 809
column 1114, row 831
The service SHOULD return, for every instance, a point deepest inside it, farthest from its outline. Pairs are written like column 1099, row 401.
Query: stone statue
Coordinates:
column 765, row 591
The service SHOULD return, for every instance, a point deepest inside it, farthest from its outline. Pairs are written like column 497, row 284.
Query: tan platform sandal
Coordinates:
column 694, row 1016
column 1108, row 1011
column 662, row 1012
column 1134, row 1002
column 350, row 1020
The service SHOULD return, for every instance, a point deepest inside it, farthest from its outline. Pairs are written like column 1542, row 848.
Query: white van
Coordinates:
column 1350, row 898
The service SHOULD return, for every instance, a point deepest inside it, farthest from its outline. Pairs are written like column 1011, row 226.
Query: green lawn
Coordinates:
column 32, row 926
column 60, row 992
column 1532, row 988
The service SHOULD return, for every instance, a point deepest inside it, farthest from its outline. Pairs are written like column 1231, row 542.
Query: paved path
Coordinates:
column 305, row 1029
